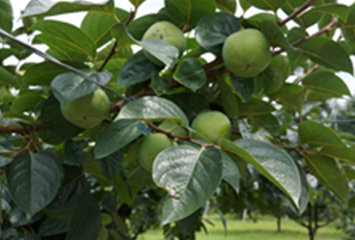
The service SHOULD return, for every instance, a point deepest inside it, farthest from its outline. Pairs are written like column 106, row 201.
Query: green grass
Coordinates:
column 264, row 229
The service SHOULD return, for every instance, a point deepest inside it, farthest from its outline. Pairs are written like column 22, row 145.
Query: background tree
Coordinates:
column 74, row 127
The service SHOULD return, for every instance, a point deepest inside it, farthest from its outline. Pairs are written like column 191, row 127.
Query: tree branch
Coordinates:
column 296, row 13
column 112, row 52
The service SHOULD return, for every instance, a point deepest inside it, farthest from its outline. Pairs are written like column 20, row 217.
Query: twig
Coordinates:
column 27, row 147
column 308, row 73
column 130, row 18
column 112, row 52
column 297, row 12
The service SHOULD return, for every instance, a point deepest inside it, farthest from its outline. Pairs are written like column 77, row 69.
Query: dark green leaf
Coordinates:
column 230, row 102
column 4, row 160
column 18, row 217
column 227, row 5
column 33, row 180
column 86, row 220
column 69, row 86
column 244, row 87
column 136, row 69
column 290, row 96
column 230, row 171
column 213, row 29
column 110, row 166
column 283, row 64
column 271, row 79
column 267, row 4
column 48, row 8
column 12, row 234
column 6, row 15
column 317, row 134
column 190, row 73
column 327, row 82
column 190, row 176
column 274, row 34
column 305, row 194
column 115, row 137
column 26, row 102
column 163, row 51
column 52, row 226
column 186, row 13
column 160, row 85
column 66, row 39
column 348, row 29
column 74, row 152
column 327, row 53
column 339, row 9
column 331, row 174
column 153, row 108
column 137, row 3
column 255, row 107
column 272, row 162
column 122, row 188
column 8, row 78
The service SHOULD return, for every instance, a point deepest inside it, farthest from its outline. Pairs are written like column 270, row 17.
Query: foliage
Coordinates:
column 61, row 181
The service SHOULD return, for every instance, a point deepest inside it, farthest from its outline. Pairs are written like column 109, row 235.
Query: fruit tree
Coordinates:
column 132, row 122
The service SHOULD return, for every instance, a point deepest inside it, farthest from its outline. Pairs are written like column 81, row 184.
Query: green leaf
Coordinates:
column 49, row 8
column 86, row 220
column 213, row 29
column 271, row 79
column 186, row 13
column 43, row 73
column 327, row 82
column 162, row 50
column 244, row 87
column 74, row 152
column 227, row 5
column 290, row 96
column 4, row 160
column 349, row 172
column 348, row 29
column 115, row 137
column 136, row 69
column 190, row 176
column 153, row 108
column 305, row 194
column 69, row 86
column 52, row 226
column 54, row 120
column 33, row 181
column 283, row 64
column 18, row 217
column 274, row 34
column 110, row 165
column 266, row 4
column 8, row 78
column 160, row 85
column 342, row 153
column 230, row 171
column 190, row 73
column 317, row 134
column 229, row 100
column 331, row 174
column 273, row 163
column 6, row 15
column 26, row 102
column 327, row 53
column 339, row 9
column 123, row 190
column 66, row 39
column 244, row 4
column 137, row 3
column 6, row 52
column 255, row 107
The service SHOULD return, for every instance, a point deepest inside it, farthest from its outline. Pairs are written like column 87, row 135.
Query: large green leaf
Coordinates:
column 190, row 73
column 213, row 29
column 69, row 86
column 271, row 79
column 331, row 174
column 339, row 9
column 304, row 199
column 6, row 15
column 115, row 137
column 327, row 82
column 74, row 152
column 49, row 8
column 227, row 5
column 244, row 87
column 153, row 108
column 8, row 78
column 342, row 153
column 26, row 102
column 66, row 39
column 317, row 134
column 137, row 3
column 272, row 162
column 33, row 180
column 86, row 220
column 18, row 217
column 267, row 4
column 190, row 176
column 255, row 107
column 229, row 101
column 162, row 50
column 274, row 34
column 348, row 29
column 327, row 53
column 230, row 171
column 160, row 85
column 110, row 165
column 136, row 69
column 53, row 120
column 52, row 226
column 186, row 13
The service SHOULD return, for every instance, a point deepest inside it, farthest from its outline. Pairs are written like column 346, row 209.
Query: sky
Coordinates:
column 152, row 6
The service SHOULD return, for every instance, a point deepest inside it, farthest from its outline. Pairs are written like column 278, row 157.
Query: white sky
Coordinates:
column 151, row 6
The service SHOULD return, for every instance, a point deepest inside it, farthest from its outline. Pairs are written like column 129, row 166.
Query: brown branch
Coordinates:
column 130, row 18
column 297, row 12
column 112, row 52
column 308, row 73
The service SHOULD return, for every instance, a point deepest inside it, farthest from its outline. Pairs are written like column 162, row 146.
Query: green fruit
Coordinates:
column 168, row 32
column 246, row 53
column 211, row 126
column 87, row 111
column 174, row 128
column 150, row 146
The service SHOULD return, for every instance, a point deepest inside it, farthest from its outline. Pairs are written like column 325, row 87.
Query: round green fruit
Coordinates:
column 211, row 126
column 246, row 53
column 174, row 128
column 150, row 146
column 168, row 32
column 87, row 111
